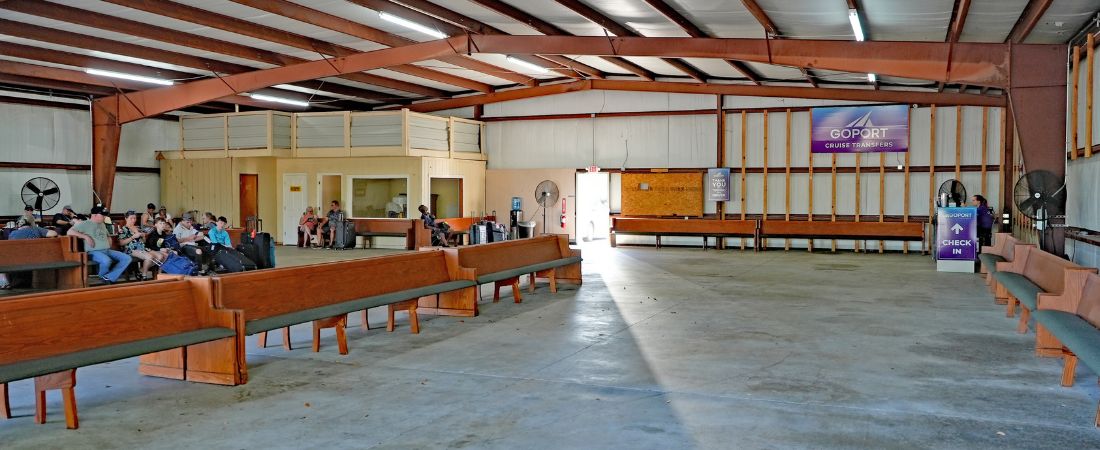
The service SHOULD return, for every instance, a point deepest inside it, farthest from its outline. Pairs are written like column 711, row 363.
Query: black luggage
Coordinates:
column 233, row 261
column 345, row 234
column 262, row 250
column 479, row 233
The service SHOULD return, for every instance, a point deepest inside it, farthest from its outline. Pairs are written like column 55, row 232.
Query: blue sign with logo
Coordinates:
column 718, row 185
column 860, row 129
column 957, row 234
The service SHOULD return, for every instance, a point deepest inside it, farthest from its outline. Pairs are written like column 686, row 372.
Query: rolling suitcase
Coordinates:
column 479, row 233
column 345, row 234
column 264, row 249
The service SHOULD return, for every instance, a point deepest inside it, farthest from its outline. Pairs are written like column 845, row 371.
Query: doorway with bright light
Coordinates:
column 593, row 206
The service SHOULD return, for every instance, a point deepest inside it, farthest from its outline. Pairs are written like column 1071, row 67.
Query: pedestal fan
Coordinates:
column 546, row 195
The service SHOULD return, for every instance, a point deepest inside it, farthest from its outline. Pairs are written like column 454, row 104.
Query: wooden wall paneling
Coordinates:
column 764, row 212
column 859, row 197
column 720, row 243
column 985, row 147
column 1074, row 103
column 832, row 207
column 906, row 200
column 1090, row 51
column 787, row 181
column 958, row 141
column 882, row 193
column 744, row 160
column 810, row 164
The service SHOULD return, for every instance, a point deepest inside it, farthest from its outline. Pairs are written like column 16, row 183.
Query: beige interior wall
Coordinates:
column 331, row 189
column 449, row 201
column 473, row 175
column 503, row 184
column 214, row 185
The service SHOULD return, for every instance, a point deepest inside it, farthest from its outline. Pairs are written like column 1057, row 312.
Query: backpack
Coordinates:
column 170, row 242
column 179, row 265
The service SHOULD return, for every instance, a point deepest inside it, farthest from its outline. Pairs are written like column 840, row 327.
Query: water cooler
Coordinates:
column 515, row 216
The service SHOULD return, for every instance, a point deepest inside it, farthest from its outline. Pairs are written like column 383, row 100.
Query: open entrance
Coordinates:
column 379, row 197
column 446, row 197
column 330, row 187
column 593, row 206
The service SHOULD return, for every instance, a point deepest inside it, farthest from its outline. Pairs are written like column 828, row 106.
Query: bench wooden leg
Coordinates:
column 261, row 339
column 339, row 323
column 5, row 407
column 1069, row 368
column 531, row 285
column 516, row 294
column 496, row 292
column 410, row 307
column 64, row 381
column 366, row 324
column 1010, row 310
column 1046, row 345
column 1025, row 316
column 286, row 339
column 553, row 281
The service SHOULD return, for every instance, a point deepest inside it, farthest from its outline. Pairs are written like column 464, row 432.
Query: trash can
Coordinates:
column 526, row 229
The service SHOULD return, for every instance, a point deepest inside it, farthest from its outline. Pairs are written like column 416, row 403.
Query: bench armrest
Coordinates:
column 1058, row 302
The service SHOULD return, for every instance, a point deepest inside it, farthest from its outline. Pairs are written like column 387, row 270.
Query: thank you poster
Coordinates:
column 718, row 185
column 860, row 129
column 957, row 234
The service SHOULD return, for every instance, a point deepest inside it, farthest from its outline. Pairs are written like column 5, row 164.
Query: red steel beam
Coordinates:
column 77, row 40
column 716, row 89
column 974, row 63
column 105, row 22
column 436, row 14
column 1027, row 21
column 693, row 30
column 553, row 30
column 246, row 28
column 598, row 18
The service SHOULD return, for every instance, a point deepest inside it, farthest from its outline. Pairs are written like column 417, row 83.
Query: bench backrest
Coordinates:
column 35, row 326
column 460, row 223
column 1004, row 245
column 910, row 230
column 272, row 292
column 670, row 226
column 35, row 251
column 1044, row 269
column 416, row 235
column 1089, row 306
column 499, row 256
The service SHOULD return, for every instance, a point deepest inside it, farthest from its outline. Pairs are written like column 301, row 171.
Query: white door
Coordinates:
column 294, row 204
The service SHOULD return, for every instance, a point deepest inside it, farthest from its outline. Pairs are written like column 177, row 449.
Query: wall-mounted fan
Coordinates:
column 42, row 194
column 951, row 193
column 546, row 195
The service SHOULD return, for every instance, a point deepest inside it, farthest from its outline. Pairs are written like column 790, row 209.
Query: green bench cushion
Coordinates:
column 372, row 234
column 1076, row 334
column 27, row 369
column 512, row 273
column 40, row 266
column 1020, row 287
column 322, row 312
column 989, row 261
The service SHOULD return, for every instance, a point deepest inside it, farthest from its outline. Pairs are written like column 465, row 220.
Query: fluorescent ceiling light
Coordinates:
column 853, row 17
column 871, row 77
column 268, row 98
column 126, row 76
column 412, row 25
column 527, row 65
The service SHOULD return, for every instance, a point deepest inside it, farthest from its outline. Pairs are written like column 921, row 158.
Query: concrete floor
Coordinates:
column 676, row 348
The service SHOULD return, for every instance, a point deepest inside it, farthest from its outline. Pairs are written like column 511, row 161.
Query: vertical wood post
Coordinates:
column 744, row 173
column 1090, row 50
column 787, row 180
column 810, row 211
column 958, row 141
column 881, row 194
column 1073, row 102
column 832, row 210
column 985, row 147
column 765, row 208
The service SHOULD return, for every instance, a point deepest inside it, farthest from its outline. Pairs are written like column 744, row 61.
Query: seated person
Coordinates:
column 27, row 218
column 209, row 221
column 64, row 219
column 94, row 233
column 440, row 234
column 307, row 226
column 224, row 253
column 132, row 241
column 154, row 240
column 191, row 241
column 149, row 218
column 30, row 232
column 162, row 213
column 328, row 224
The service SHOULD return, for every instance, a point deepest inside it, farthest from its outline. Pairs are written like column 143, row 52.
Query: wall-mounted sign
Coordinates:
column 957, row 234
column 860, row 129
column 295, row 189
column 718, row 185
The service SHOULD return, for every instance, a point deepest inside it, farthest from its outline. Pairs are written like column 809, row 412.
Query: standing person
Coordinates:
column 985, row 219
column 328, row 227
column 132, row 240
column 64, row 219
column 149, row 217
column 94, row 233
column 191, row 240
column 307, row 224
column 27, row 218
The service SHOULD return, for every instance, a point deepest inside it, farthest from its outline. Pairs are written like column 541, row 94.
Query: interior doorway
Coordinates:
column 446, row 197
column 593, row 206
column 294, row 204
column 250, row 200
column 329, row 187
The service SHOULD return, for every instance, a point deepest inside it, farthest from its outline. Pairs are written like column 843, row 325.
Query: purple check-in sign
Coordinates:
column 860, row 129
column 957, row 234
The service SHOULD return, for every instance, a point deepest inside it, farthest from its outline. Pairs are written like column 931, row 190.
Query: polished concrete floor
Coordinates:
column 676, row 348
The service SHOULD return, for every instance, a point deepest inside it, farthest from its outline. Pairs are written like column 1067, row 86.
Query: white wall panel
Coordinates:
column 599, row 101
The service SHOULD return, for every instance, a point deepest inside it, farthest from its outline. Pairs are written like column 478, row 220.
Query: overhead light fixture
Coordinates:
column 527, row 65
column 268, row 98
column 853, row 17
column 412, row 25
column 871, row 77
column 126, row 76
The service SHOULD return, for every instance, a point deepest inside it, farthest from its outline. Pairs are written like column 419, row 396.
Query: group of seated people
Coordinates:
column 149, row 237
column 320, row 232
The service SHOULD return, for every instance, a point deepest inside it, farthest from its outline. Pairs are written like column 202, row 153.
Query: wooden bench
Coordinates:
column 48, row 336
column 503, row 263
column 882, row 231
column 705, row 228
column 57, row 255
column 1030, row 273
column 412, row 230
column 1066, row 325
column 325, row 293
column 1002, row 250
